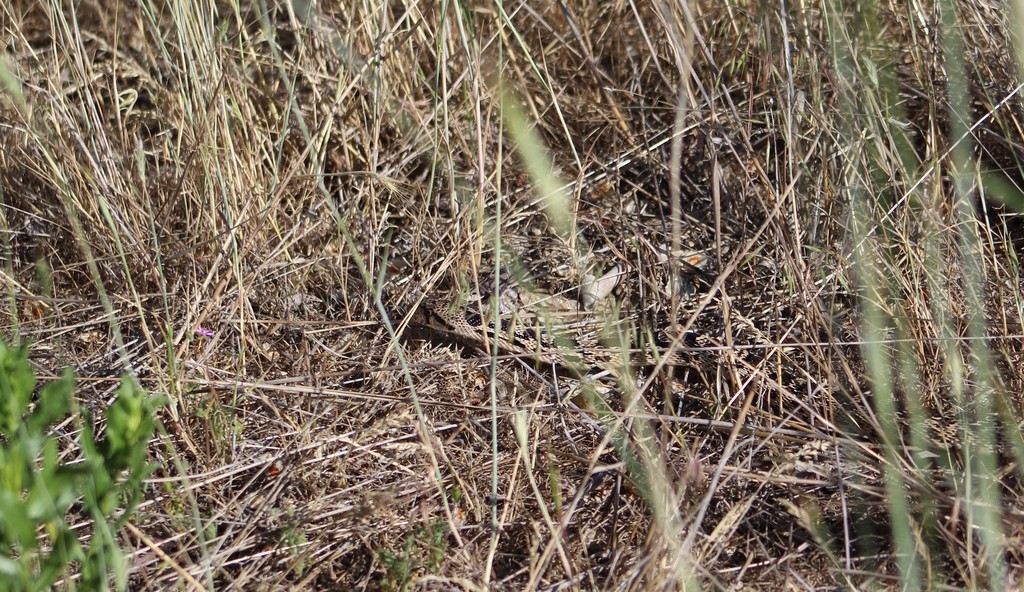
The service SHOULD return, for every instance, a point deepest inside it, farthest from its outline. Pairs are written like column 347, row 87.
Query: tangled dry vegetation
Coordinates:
column 245, row 208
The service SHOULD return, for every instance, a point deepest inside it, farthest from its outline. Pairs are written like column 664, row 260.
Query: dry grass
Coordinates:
column 243, row 206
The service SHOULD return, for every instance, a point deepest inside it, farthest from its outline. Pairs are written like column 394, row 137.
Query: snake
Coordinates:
column 576, row 346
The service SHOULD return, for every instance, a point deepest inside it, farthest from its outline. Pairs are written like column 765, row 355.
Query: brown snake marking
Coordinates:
column 570, row 345
column 565, row 347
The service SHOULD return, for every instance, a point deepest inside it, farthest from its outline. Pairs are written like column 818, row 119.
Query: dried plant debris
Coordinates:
column 782, row 290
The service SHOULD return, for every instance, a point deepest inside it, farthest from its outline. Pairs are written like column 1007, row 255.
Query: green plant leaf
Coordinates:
column 15, row 525
column 17, row 380
column 14, row 468
column 129, row 427
column 65, row 549
column 38, row 486
column 54, row 403
column 9, row 569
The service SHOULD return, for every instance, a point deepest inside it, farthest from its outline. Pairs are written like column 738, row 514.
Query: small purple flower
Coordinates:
column 204, row 332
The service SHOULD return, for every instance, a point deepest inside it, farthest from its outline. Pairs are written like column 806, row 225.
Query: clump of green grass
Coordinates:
column 39, row 489
column 422, row 552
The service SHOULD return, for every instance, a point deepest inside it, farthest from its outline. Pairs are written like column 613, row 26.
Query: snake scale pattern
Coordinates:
column 575, row 345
